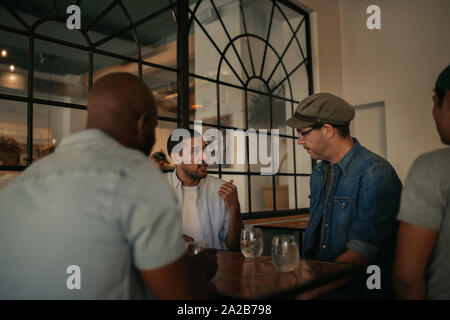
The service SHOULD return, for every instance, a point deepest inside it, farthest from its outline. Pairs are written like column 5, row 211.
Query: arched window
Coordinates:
column 229, row 64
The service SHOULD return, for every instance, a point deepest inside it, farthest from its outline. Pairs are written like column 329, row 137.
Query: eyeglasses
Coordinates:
column 304, row 133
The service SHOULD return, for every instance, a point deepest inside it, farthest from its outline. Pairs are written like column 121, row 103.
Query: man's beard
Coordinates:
column 193, row 175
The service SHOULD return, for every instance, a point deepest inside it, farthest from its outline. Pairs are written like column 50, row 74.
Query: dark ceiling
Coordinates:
column 157, row 31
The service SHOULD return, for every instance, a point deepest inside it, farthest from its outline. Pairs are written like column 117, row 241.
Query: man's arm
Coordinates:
column 352, row 257
column 228, row 191
column 179, row 280
column 414, row 247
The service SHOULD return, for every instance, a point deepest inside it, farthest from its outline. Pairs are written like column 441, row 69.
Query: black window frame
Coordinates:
column 183, row 18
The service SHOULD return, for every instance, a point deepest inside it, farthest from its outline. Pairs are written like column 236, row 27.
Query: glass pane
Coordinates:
column 13, row 126
column 13, row 64
column 203, row 102
column 303, row 192
column 163, row 84
column 124, row 44
column 261, row 156
column 235, row 150
column 158, row 38
column 90, row 11
column 261, row 193
column 206, row 57
column 269, row 63
column 281, row 111
column 285, row 192
column 286, row 155
column 112, row 22
column 303, row 160
column 257, row 16
column 257, row 50
column 58, row 30
column 163, row 131
column 60, row 73
column 139, row 9
column 241, row 182
column 52, row 124
column 241, row 66
column 30, row 11
column 299, row 81
column 294, row 17
column 104, row 65
column 258, row 105
column 7, row 19
column 232, row 106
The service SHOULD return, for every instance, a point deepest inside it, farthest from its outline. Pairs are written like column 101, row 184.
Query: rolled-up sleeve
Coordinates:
column 378, row 204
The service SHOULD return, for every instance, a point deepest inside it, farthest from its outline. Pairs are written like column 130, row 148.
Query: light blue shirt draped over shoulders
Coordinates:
column 95, row 204
column 213, row 215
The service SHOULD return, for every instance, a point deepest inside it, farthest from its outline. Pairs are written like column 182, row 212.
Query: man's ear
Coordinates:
column 329, row 130
column 142, row 123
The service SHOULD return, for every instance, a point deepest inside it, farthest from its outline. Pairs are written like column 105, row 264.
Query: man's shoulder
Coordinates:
column 213, row 182
column 438, row 158
column 369, row 160
column 434, row 164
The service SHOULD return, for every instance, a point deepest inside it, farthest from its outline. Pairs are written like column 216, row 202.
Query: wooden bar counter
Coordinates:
column 241, row 278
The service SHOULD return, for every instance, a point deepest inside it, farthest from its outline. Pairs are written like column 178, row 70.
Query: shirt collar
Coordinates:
column 178, row 183
column 346, row 161
column 85, row 136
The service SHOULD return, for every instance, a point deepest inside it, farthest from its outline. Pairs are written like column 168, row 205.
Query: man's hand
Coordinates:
column 228, row 192
column 206, row 260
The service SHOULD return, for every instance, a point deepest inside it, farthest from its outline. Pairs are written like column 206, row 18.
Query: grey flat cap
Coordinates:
column 321, row 108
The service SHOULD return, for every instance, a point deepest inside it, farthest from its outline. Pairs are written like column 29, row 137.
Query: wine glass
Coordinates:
column 251, row 242
column 285, row 256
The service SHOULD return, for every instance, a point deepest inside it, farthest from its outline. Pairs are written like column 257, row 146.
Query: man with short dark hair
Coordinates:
column 422, row 260
column 354, row 192
column 210, row 208
column 95, row 219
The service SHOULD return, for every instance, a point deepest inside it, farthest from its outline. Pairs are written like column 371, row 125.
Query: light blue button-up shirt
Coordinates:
column 94, row 204
column 213, row 215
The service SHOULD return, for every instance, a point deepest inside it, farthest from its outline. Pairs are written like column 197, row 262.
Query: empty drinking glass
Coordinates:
column 251, row 242
column 285, row 256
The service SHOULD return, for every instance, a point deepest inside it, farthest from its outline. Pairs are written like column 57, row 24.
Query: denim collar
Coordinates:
column 346, row 161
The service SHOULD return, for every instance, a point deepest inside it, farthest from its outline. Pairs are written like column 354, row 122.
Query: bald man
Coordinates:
column 82, row 224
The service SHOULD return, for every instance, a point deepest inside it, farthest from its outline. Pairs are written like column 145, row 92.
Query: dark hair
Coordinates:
column 343, row 129
column 171, row 144
column 440, row 94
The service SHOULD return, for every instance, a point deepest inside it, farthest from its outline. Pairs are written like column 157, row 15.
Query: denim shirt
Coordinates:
column 213, row 215
column 359, row 211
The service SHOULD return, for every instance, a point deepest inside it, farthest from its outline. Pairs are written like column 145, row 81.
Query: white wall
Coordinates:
column 397, row 64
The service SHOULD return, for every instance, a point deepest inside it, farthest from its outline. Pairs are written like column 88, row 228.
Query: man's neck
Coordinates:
column 185, row 179
column 340, row 150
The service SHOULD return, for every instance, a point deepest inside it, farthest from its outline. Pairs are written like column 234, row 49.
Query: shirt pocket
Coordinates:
column 344, row 210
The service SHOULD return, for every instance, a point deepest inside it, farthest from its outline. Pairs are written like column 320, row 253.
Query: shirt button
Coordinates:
column 324, row 246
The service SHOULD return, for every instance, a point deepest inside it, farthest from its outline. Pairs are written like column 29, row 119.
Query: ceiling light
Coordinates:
column 12, row 68
column 4, row 53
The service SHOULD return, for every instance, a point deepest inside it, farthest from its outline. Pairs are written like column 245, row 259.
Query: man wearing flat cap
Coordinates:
column 422, row 261
column 355, row 193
